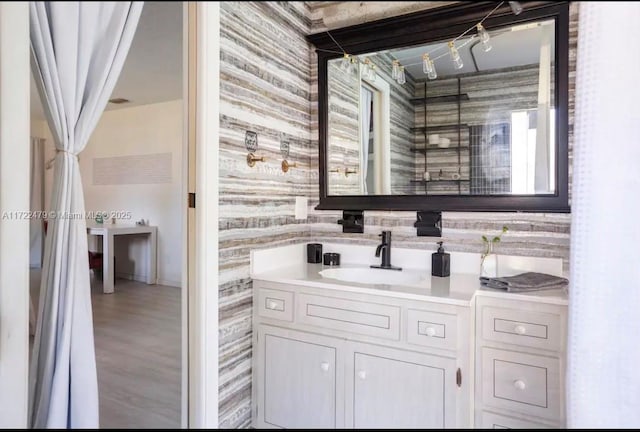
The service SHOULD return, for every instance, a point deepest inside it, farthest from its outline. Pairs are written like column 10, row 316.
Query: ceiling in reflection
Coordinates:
column 513, row 46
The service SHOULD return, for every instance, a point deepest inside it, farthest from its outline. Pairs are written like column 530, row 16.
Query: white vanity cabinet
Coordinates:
column 520, row 363
column 345, row 357
column 340, row 359
column 395, row 389
column 301, row 378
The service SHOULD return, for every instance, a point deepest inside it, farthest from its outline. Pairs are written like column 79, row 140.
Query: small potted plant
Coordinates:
column 489, row 259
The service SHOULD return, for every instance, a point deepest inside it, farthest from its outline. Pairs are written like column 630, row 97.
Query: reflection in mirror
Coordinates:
column 484, row 126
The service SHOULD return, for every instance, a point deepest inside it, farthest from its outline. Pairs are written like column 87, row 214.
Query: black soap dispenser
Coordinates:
column 440, row 262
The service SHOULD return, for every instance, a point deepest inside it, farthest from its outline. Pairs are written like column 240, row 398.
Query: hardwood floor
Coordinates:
column 137, row 338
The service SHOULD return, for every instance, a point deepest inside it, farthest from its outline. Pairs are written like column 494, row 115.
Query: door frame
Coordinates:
column 200, row 236
column 14, row 198
column 199, row 296
column 381, row 134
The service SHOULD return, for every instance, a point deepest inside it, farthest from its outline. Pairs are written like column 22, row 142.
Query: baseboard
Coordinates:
column 143, row 279
column 131, row 277
column 169, row 283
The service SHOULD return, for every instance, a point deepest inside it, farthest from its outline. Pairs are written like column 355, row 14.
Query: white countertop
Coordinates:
column 458, row 289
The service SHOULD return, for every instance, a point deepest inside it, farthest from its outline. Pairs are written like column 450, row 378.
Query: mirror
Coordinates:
column 485, row 128
column 447, row 133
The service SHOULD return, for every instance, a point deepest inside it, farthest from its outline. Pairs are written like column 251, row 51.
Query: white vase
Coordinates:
column 489, row 263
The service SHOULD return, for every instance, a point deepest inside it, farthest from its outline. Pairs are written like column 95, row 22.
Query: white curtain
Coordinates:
column 365, row 126
column 604, row 307
column 78, row 50
column 36, row 228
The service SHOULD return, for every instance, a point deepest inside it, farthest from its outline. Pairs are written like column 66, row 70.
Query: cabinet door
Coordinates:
column 298, row 380
column 397, row 389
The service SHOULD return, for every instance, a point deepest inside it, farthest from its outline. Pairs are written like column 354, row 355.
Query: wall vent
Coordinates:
column 119, row 101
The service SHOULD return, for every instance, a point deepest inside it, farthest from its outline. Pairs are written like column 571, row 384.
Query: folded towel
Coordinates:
column 529, row 281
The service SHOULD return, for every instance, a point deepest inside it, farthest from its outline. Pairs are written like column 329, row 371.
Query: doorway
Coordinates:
column 199, row 301
column 133, row 173
column 375, row 137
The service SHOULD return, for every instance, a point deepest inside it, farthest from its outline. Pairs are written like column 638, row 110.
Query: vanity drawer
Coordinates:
column 522, row 382
column 431, row 329
column 536, row 329
column 360, row 317
column 491, row 420
column 275, row 304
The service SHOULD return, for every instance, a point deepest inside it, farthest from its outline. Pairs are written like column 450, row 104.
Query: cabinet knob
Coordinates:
column 324, row 366
column 272, row 305
column 520, row 329
column 430, row 331
column 519, row 384
column 362, row 374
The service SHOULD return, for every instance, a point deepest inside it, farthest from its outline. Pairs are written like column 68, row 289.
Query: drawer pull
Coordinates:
column 520, row 329
column 324, row 366
column 275, row 304
column 519, row 384
column 430, row 331
column 362, row 374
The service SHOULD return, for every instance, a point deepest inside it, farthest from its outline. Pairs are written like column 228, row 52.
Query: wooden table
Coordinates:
column 108, row 233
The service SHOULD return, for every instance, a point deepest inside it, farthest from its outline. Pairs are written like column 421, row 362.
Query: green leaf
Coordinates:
column 496, row 239
column 505, row 229
column 485, row 239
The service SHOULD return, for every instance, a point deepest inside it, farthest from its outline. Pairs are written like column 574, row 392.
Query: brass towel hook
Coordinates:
column 286, row 165
column 348, row 171
column 252, row 159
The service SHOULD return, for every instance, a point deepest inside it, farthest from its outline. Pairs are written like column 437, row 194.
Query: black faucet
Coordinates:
column 385, row 249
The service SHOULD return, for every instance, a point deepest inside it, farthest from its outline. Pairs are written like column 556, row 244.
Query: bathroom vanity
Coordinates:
column 355, row 347
column 427, row 353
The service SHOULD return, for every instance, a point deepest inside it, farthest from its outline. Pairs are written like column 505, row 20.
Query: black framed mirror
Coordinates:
column 486, row 131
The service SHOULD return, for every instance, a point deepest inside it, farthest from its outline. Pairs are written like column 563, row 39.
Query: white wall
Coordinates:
column 140, row 130
column 38, row 127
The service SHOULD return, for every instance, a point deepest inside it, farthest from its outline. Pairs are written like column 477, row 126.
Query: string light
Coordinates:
column 484, row 37
column 346, row 62
column 453, row 51
column 395, row 69
column 401, row 76
column 372, row 72
column 455, row 56
column 364, row 72
column 351, row 63
column 369, row 70
column 428, row 67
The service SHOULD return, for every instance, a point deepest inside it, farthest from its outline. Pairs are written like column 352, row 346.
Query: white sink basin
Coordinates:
column 373, row 276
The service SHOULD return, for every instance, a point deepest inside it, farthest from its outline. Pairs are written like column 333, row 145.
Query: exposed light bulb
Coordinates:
column 368, row 70
column 353, row 66
column 426, row 63
column 433, row 74
column 484, row 37
column 346, row 62
column 364, row 71
column 455, row 56
column 372, row 72
column 428, row 67
column 516, row 7
column 401, row 77
column 395, row 70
